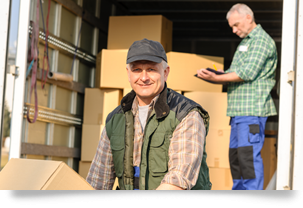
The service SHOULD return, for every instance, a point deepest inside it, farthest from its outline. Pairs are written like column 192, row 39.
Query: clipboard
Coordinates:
column 211, row 70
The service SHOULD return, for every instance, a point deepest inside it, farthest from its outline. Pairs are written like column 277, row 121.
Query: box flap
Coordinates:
column 26, row 174
column 66, row 178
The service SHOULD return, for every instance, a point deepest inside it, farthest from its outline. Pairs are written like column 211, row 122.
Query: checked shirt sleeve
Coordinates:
column 254, row 61
column 185, row 152
column 101, row 175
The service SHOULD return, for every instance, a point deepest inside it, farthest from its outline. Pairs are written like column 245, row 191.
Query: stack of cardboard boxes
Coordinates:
column 217, row 140
column 98, row 103
column 111, row 84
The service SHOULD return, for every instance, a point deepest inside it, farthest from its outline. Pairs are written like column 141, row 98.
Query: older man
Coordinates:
column 250, row 79
column 156, row 138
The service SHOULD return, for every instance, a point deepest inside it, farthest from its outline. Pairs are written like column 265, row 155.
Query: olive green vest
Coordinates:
column 157, row 135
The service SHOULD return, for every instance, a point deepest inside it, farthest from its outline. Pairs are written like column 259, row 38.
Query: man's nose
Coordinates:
column 234, row 30
column 144, row 75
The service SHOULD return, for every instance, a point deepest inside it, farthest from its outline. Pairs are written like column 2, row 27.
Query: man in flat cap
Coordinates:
column 155, row 139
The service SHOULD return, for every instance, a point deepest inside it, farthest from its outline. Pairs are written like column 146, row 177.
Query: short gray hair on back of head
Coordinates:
column 164, row 65
column 241, row 9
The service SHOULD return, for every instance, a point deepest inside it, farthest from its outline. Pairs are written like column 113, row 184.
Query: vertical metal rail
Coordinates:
column 288, row 51
column 4, row 33
column 297, row 183
column 19, row 87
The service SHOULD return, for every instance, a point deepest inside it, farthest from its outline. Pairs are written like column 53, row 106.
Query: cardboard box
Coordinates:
column 126, row 91
column 115, row 184
column 183, row 67
column 98, row 103
column 90, row 138
column 220, row 178
column 215, row 104
column 217, row 148
column 111, row 70
column 124, row 30
column 28, row 174
column 269, row 156
column 84, row 167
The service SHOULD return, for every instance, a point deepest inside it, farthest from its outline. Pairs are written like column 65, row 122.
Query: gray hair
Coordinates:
column 164, row 65
column 241, row 9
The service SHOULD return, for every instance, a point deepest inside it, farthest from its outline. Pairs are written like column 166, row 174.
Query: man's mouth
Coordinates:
column 145, row 85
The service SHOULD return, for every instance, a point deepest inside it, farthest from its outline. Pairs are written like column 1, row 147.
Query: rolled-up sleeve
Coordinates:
column 186, row 152
column 101, row 174
column 254, row 61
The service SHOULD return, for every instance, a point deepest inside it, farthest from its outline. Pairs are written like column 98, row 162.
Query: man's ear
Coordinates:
column 166, row 72
column 249, row 18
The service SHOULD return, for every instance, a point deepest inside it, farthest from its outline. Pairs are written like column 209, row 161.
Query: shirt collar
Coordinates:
column 136, row 104
column 255, row 31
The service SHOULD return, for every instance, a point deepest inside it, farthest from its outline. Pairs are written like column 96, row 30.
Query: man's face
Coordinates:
column 147, row 79
column 241, row 24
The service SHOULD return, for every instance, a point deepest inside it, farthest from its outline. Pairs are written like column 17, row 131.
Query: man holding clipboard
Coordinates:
column 249, row 80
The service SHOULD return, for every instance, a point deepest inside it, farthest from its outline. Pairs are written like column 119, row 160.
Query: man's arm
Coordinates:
column 102, row 173
column 219, row 79
column 257, row 55
column 185, row 154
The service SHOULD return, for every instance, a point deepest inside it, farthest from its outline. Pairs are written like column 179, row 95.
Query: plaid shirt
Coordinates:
column 255, row 62
column 185, row 153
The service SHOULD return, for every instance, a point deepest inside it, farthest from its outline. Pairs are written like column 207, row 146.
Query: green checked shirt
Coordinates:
column 255, row 62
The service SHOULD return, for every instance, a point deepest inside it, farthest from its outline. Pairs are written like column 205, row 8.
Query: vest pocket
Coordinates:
column 117, row 147
column 158, row 155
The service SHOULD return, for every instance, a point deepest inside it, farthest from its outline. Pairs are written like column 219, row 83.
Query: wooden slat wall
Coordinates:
column 47, row 150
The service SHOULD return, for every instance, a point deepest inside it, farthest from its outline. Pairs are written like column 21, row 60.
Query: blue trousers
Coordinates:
column 246, row 142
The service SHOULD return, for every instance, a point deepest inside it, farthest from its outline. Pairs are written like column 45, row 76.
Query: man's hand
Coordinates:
column 166, row 186
column 218, row 79
column 208, row 75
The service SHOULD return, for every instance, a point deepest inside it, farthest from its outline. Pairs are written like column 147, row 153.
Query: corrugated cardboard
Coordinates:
column 269, row 156
column 220, row 178
column 217, row 148
column 124, row 30
column 28, row 174
column 84, row 167
column 115, row 184
column 98, row 103
column 183, row 67
column 178, row 91
column 90, row 138
column 215, row 104
column 112, row 72
column 126, row 91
